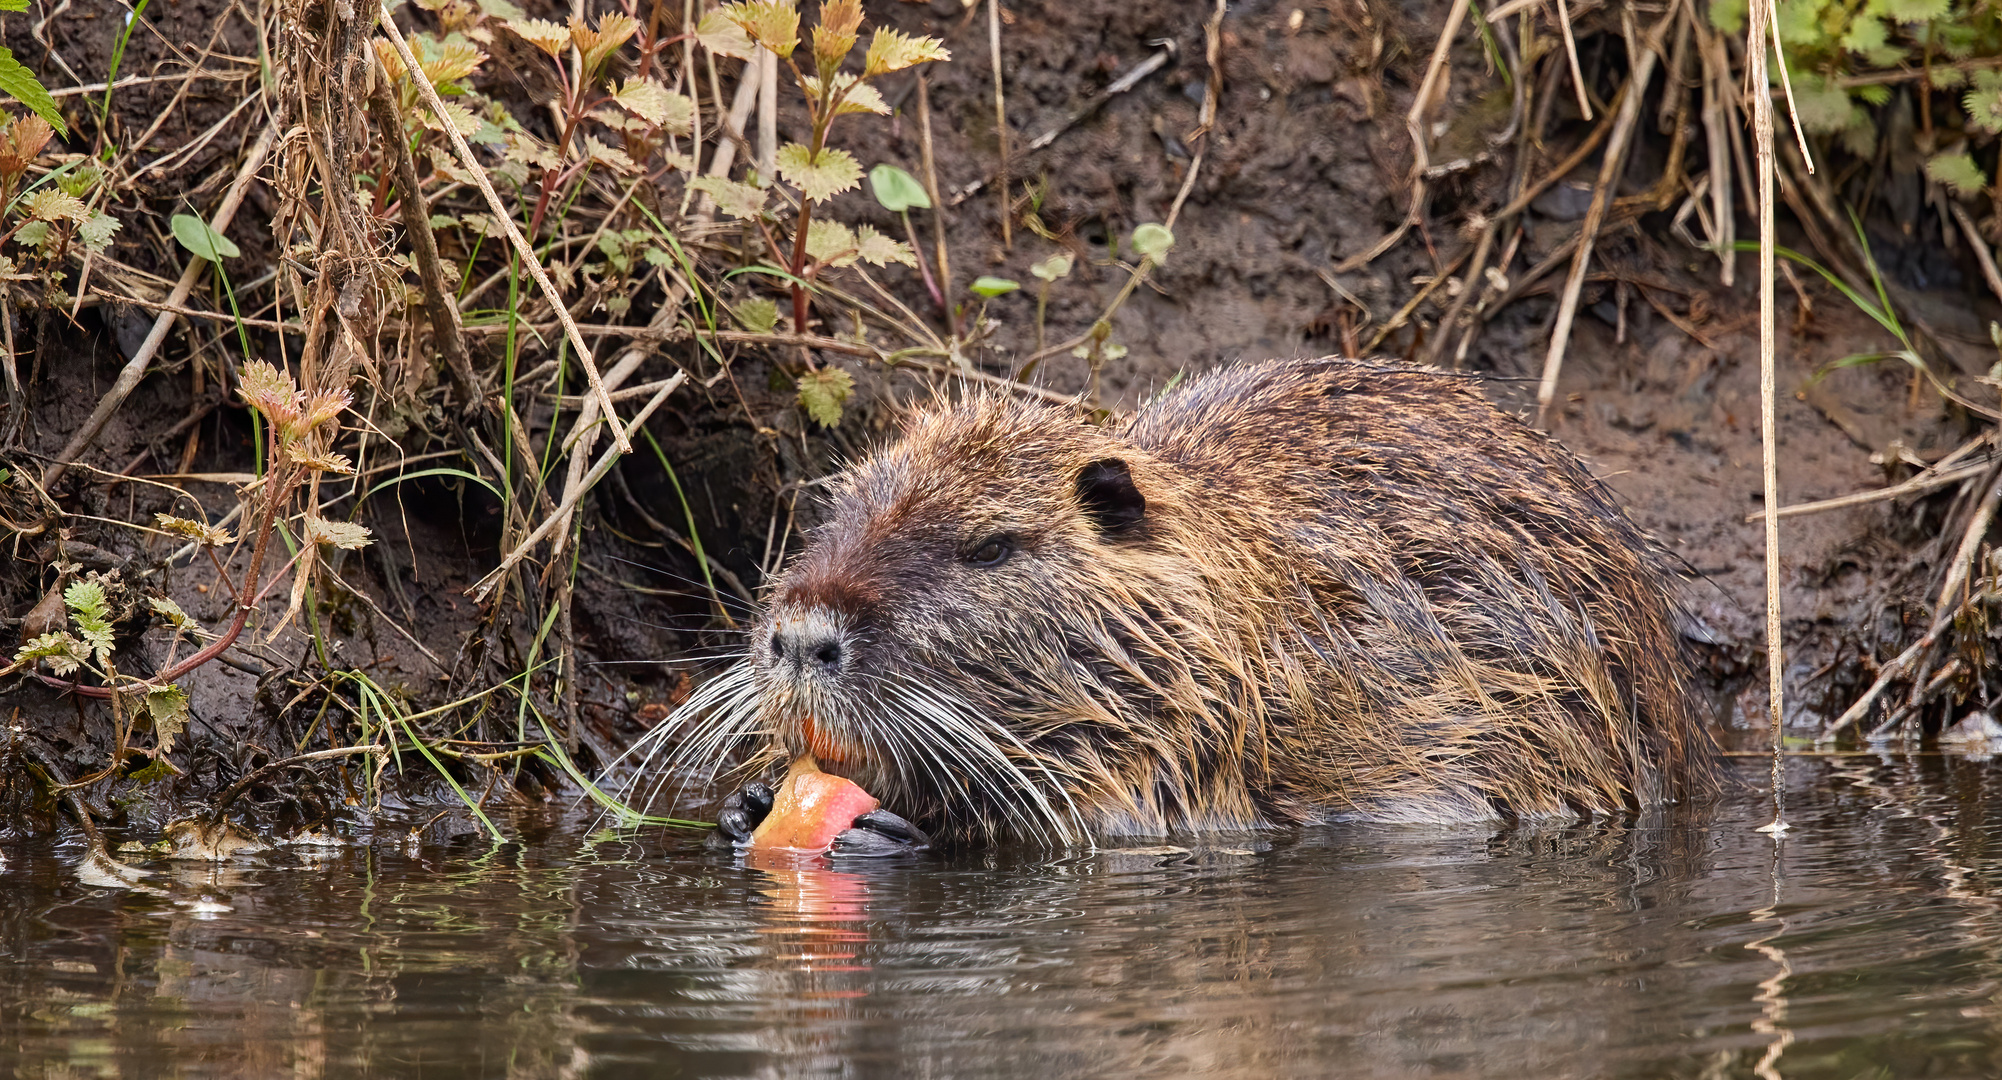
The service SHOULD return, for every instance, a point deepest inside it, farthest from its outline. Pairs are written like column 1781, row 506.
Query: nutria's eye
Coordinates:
column 992, row 553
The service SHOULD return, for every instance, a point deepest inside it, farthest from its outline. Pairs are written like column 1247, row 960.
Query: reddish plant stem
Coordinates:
column 799, row 265
column 277, row 489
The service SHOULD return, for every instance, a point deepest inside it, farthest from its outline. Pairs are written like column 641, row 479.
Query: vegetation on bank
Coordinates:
column 491, row 244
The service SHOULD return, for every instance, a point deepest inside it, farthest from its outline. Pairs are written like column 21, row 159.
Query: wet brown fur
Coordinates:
column 1355, row 590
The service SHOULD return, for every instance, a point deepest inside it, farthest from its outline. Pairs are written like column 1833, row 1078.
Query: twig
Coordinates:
column 1000, row 122
column 1571, row 54
column 135, row 370
column 1786, row 82
column 1943, row 614
column 937, row 204
column 1981, row 253
column 1595, row 215
column 505, row 219
column 1421, row 158
column 1716, row 84
column 485, row 586
column 1084, row 112
column 768, row 111
column 444, row 314
column 230, row 794
column 1411, row 305
column 1926, row 481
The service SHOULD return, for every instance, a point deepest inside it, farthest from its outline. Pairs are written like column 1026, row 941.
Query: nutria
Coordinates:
column 1286, row 592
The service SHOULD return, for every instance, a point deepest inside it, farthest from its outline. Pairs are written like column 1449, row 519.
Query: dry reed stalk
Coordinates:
column 1421, row 159
column 1762, row 136
column 1571, row 55
column 1943, row 613
column 506, row 221
column 135, row 370
column 1613, row 167
column 483, row 588
column 1000, row 122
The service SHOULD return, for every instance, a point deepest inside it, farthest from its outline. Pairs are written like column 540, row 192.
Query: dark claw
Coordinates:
column 741, row 813
column 880, row 832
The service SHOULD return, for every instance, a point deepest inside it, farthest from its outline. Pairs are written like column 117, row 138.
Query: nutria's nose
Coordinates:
column 805, row 645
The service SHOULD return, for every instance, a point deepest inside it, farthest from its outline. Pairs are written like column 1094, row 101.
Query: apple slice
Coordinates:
column 809, row 809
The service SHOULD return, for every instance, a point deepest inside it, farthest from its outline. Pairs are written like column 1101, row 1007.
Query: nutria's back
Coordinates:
column 1288, row 591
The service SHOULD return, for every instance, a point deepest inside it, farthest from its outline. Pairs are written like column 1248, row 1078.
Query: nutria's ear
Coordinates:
column 1110, row 499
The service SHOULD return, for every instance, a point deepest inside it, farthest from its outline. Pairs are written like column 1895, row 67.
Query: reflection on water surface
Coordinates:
column 1871, row 947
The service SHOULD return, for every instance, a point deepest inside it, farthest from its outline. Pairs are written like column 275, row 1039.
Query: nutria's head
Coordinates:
column 927, row 642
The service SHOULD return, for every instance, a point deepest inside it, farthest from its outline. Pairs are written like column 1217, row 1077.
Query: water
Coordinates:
column 1870, row 947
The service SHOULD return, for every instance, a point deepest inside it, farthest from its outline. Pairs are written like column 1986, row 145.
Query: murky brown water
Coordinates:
column 1871, row 946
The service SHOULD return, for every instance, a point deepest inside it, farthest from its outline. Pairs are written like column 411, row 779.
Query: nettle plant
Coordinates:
column 1829, row 41
column 44, row 217
column 299, row 429
column 816, row 170
column 614, row 124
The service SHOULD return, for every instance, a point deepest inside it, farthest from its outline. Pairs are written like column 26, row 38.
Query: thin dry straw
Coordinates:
column 1762, row 133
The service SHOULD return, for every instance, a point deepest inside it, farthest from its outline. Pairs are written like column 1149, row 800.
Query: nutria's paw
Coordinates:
column 880, row 832
column 741, row 813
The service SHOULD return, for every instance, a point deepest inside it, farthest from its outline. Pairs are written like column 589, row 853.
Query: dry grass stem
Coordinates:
column 135, row 369
column 484, row 588
column 1762, row 135
column 1595, row 215
column 505, row 218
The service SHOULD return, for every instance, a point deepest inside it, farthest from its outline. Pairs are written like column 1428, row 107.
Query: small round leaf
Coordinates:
column 1055, row 267
column 991, row 287
column 897, row 190
column 1151, row 241
column 203, row 241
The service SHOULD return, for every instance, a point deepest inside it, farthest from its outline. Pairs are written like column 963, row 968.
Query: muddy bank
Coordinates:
column 1305, row 167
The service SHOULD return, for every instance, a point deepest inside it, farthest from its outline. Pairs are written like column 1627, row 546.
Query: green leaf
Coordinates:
column 1984, row 102
column 991, row 287
column 650, row 101
column 1957, row 171
column 817, row 177
column 63, row 652
column 13, row 5
column 1824, row 105
column 172, row 612
column 341, row 534
column 1909, row 10
column 21, row 84
column 758, row 316
column 34, row 234
column 830, row 242
column 823, row 392
column 1866, row 34
column 85, row 599
column 196, row 235
column 1054, row 268
column 1728, row 15
column 168, row 706
column 721, row 35
column 735, row 199
column 1152, row 241
column 876, row 249
column 897, row 190
column 771, row 23
column 891, row 51
column 96, row 233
